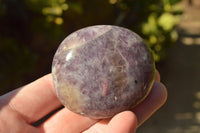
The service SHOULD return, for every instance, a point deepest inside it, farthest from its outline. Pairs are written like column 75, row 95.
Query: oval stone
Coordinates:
column 102, row 70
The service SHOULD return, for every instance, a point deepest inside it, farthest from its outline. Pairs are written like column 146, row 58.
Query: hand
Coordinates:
column 22, row 107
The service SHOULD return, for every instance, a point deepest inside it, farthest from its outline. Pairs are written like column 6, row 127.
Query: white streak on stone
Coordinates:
column 69, row 56
column 115, row 98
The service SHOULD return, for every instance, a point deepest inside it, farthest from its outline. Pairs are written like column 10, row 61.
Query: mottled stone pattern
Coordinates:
column 102, row 70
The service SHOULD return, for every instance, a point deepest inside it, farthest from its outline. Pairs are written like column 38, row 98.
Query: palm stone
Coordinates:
column 101, row 70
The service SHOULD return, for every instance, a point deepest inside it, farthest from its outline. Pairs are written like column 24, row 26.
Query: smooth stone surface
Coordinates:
column 102, row 70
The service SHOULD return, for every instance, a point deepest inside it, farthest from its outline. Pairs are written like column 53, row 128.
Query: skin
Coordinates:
column 20, row 108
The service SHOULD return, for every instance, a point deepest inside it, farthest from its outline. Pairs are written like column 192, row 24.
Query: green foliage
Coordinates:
column 31, row 30
column 52, row 9
column 159, row 29
column 154, row 20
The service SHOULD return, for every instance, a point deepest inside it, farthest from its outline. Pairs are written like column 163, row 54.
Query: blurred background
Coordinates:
column 31, row 31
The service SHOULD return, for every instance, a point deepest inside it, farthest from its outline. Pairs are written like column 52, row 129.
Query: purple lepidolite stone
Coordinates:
column 102, row 70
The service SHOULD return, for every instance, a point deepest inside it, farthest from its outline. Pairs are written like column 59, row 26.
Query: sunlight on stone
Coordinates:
column 69, row 56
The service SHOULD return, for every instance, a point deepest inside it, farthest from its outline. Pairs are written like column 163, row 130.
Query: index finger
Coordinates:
column 34, row 100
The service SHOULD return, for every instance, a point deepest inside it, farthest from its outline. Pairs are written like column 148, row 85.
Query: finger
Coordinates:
column 34, row 100
column 66, row 121
column 157, row 77
column 11, row 122
column 124, row 122
column 153, row 102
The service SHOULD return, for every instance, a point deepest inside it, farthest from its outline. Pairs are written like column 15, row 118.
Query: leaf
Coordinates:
column 150, row 26
column 167, row 21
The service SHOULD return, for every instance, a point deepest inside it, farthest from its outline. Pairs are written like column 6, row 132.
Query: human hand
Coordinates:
column 22, row 107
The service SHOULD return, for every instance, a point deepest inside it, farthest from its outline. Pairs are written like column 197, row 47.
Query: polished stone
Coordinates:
column 102, row 70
